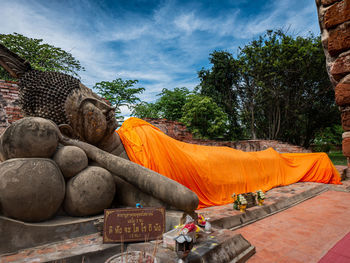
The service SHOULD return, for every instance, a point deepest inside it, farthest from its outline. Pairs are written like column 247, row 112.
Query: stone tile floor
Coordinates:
column 340, row 253
column 303, row 233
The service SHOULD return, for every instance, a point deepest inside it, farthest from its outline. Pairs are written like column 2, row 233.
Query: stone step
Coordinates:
column 222, row 245
column 277, row 199
column 16, row 235
column 81, row 249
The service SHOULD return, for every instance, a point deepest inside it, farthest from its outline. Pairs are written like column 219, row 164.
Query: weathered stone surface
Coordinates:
column 340, row 67
column 346, row 147
column 346, row 135
column 328, row 2
column 89, row 192
column 337, row 14
column 71, row 160
column 129, row 195
column 345, row 119
column 31, row 189
column 342, row 94
column 29, row 137
column 339, row 39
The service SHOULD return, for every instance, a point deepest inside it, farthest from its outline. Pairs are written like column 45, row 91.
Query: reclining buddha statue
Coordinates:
column 148, row 166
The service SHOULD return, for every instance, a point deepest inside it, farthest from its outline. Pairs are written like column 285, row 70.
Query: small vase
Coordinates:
column 261, row 202
column 242, row 208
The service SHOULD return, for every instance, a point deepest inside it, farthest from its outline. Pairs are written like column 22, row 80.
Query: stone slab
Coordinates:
column 220, row 246
column 16, row 235
column 76, row 250
column 277, row 199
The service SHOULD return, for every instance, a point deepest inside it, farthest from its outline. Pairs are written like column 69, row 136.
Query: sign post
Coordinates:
column 133, row 224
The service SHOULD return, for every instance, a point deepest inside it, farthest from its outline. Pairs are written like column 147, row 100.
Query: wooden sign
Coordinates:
column 133, row 224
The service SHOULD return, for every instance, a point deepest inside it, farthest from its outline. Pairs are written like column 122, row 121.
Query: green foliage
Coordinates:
column 337, row 158
column 276, row 88
column 119, row 93
column 41, row 56
column 288, row 88
column 204, row 117
column 219, row 83
column 171, row 102
column 146, row 110
column 168, row 106
column 327, row 137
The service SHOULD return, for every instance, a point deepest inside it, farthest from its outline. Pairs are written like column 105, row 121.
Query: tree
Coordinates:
column 168, row 106
column 219, row 83
column 204, row 118
column 119, row 93
column 171, row 102
column 144, row 110
column 41, row 56
column 284, row 88
column 327, row 137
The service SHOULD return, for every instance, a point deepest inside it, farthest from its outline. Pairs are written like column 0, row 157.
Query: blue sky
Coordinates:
column 160, row 43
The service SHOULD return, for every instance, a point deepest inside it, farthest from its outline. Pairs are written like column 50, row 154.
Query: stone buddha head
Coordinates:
column 76, row 109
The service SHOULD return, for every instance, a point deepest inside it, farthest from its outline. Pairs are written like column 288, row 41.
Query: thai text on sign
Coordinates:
column 133, row 224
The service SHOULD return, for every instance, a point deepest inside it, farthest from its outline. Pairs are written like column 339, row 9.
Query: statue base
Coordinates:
column 16, row 235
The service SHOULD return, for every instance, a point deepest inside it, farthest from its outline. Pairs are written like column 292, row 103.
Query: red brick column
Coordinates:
column 334, row 19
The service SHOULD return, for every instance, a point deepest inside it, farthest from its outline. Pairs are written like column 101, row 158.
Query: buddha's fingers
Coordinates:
column 150, row 182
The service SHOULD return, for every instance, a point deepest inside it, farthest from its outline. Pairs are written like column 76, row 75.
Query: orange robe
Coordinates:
column 214, row 173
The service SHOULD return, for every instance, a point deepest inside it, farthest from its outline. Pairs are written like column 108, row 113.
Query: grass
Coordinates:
column 337, row 158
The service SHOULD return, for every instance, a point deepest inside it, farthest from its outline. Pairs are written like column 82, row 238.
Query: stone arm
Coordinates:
column 157, row 185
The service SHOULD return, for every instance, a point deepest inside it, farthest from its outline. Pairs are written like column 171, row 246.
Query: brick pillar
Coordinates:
column 334, row 19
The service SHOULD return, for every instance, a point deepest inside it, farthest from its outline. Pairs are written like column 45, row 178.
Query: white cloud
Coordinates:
column 164, row 49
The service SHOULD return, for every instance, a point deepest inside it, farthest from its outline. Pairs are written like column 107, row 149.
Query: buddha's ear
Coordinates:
column 66, row 130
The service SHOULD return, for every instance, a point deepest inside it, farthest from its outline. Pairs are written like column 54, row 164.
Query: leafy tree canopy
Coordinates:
column 204, row 117
column 219, row 83
column 171, row 102
column 168, row 106
column 119, row 93
column 41, row 56
column 146, row 110
column 276, row 88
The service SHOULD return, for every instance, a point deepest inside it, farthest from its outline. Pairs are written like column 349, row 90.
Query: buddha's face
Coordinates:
column 91, row 119
column 99, row 120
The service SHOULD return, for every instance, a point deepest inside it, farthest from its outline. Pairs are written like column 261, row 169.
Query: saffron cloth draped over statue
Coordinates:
column 214, row 173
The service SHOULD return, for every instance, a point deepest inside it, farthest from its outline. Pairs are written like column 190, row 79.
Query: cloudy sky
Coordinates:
column 160, row 43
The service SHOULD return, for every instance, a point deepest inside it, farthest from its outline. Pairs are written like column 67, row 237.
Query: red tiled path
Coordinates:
column 303, row 233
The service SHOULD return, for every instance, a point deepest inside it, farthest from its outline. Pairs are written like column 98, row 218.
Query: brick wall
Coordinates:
column 179, row 132
column 9, row 109
column 334, row 20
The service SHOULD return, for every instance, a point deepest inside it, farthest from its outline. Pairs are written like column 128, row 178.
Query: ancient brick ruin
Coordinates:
column 179, row 132
column 334, row 18
column 9, row 109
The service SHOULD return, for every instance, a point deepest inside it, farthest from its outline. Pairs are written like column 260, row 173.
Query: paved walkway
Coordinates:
column 340, row 253
column 303, row 233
